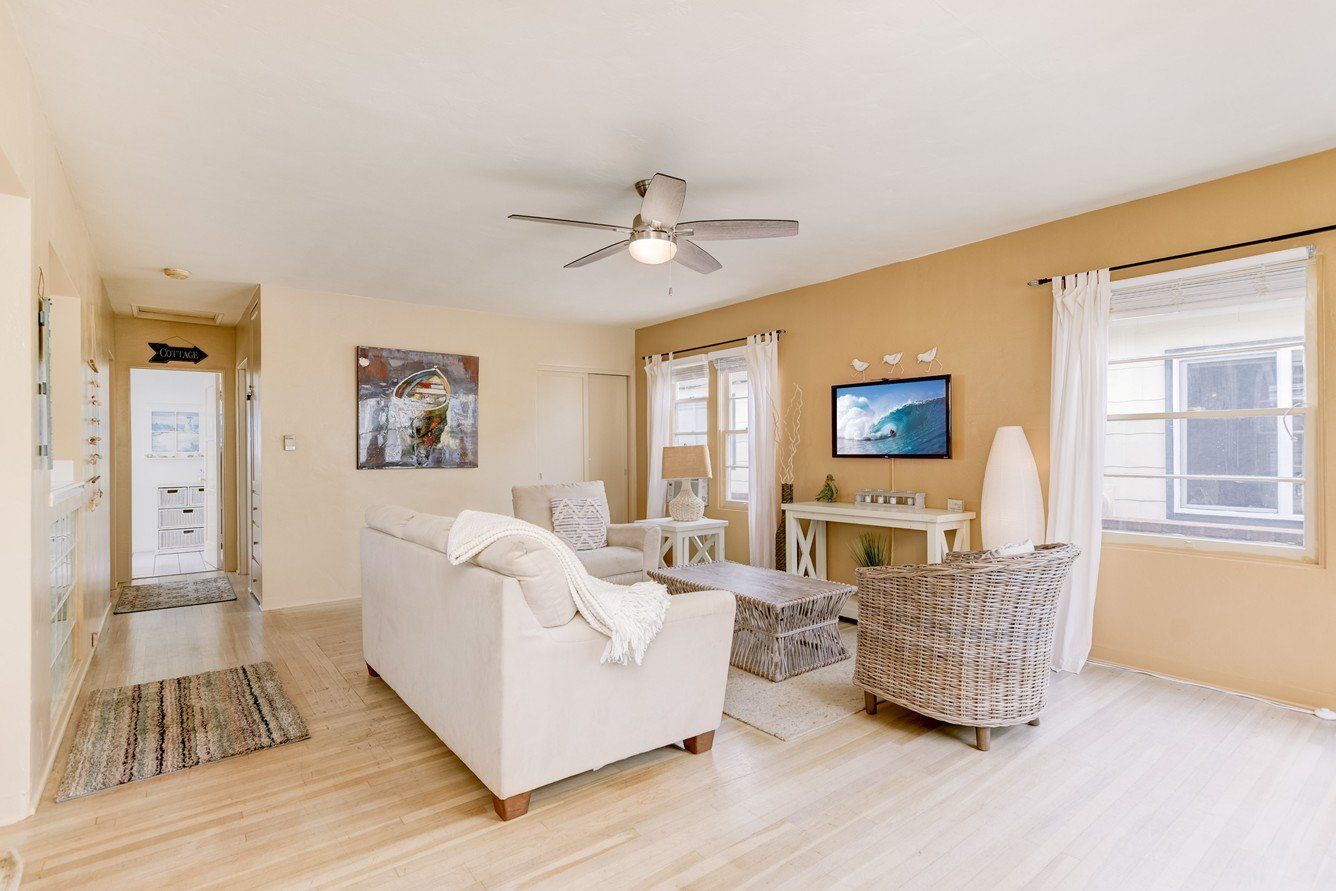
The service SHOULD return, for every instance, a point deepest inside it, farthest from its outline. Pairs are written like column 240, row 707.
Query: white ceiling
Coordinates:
column 376, row 148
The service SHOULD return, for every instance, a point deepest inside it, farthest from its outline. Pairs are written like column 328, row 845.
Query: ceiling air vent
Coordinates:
column 189, row 316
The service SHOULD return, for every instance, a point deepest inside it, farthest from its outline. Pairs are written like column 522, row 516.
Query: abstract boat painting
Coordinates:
column 416, row 409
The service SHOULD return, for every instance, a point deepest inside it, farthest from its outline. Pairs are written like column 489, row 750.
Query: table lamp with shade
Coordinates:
column 686, row 463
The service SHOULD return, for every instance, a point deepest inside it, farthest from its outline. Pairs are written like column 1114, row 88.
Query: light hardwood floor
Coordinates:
column 1130, row 782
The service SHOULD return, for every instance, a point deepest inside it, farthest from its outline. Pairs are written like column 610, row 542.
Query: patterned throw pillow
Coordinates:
column 581, row 522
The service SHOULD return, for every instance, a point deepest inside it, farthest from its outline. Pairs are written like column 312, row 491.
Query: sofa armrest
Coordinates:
column 703, row 606
column 644, row 538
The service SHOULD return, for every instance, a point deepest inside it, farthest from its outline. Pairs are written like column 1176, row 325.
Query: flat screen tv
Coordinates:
column 908, row 418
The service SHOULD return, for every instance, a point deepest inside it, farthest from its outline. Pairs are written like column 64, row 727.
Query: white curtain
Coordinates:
column 659, row 421
column 1076, row 450
column 762, row 357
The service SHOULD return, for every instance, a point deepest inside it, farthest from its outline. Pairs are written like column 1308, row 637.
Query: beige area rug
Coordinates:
column 166, row 595
column 791, row 708
column 11, row 870
column 145, row 730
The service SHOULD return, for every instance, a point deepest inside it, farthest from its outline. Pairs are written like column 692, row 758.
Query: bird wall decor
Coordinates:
column 930, row 358
column 893, row 360
column 859, row 366
column 829, row 491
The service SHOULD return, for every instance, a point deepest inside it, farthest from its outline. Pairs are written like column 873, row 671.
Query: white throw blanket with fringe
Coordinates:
column 631, row 615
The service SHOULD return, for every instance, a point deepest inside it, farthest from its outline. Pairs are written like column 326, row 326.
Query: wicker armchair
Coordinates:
column 967, row 641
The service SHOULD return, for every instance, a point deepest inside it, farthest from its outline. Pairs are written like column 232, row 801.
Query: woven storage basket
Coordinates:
column 967, row 641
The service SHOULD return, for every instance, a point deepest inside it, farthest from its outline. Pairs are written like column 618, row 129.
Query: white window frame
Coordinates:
column 1284, row 409
column 1282, row 355
column 727, row 431
column 704, row 401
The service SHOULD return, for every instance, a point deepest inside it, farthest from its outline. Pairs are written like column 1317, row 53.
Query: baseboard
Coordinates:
column 269, row 606
column 61, row 725
column 14, row 808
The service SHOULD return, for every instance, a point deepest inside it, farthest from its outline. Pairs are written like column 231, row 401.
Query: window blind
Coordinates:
column 1280, row 275
column 689, row 369
column 730, row 363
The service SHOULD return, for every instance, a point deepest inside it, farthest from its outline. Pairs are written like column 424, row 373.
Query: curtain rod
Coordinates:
column 1034, row 283
column 709, row 346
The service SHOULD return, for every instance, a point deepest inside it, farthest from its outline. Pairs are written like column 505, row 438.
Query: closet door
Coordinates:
column 561, row 426
column 609, row 440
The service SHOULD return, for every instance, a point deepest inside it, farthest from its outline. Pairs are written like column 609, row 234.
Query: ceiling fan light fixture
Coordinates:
column 652, row 247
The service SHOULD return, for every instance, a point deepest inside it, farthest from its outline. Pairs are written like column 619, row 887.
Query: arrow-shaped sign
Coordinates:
column 164, row 353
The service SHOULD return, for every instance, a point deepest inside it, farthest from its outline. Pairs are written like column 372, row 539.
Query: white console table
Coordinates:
column 699, row 541
column 806, row 554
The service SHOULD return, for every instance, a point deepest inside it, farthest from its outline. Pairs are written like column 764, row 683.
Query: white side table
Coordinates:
column 700, row 541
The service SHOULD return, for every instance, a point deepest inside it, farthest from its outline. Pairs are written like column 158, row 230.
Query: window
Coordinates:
column 733, row 396
column 174, row 433
column 691, row 399
column 1207, row 399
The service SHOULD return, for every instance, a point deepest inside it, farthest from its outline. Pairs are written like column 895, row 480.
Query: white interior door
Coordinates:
column 608, row 439
column 209, row 444
column 561, row 426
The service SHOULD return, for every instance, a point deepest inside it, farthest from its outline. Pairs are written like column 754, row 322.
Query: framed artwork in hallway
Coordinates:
column 416, row 409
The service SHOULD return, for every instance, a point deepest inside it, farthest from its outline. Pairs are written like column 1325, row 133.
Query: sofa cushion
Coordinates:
column 581, row 522
column 607, row 562
column 539, row 573
column 533, row 504
column 430, row 531
column 389, row 518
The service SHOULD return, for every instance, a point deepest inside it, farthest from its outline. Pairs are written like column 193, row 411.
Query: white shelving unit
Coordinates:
column 180, row 519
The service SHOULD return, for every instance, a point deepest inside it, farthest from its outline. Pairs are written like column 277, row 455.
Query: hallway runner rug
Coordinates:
column 145, row 730
column 168, row 595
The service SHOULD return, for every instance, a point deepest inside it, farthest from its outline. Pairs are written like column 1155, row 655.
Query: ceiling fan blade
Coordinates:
column 720, row 230
column 663, row 200
column 561, row 222
column 693, row 256
column 598, row 254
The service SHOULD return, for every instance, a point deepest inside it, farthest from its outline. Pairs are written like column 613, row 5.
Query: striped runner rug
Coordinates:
column 144, row 730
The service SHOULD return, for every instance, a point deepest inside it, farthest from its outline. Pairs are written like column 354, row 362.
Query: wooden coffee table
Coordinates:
column 785, row 625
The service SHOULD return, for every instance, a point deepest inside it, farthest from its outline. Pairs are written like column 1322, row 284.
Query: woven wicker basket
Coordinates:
column 967, row 641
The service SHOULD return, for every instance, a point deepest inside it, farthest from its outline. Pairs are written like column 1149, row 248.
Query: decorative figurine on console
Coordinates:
column 829, row 490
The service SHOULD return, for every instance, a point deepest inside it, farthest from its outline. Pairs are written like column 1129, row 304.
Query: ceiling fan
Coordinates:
column 656, row 236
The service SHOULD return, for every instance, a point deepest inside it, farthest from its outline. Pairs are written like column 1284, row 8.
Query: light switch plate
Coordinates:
column 289, row 442
column 955, row 504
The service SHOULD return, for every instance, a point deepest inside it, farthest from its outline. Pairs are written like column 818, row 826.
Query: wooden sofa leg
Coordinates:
column 869, row 702
column 700, row 743
column 371, row 671
column 982, row 737
column 512, row 807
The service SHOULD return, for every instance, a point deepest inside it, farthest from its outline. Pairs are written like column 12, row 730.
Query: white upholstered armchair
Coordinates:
column 632, row 549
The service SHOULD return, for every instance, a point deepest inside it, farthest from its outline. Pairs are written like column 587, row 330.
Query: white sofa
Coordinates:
column 632, row 549
column 492, row 656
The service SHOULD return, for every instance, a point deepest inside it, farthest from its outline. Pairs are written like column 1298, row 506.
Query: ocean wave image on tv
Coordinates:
column 895, row 418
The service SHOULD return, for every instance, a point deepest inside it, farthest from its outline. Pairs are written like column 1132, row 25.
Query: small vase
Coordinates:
column 781, row 539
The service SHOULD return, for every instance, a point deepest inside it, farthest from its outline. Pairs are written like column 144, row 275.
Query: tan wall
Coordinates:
column 1243, row 623
column 132, row 339
column 38, row 220
column 315, row 497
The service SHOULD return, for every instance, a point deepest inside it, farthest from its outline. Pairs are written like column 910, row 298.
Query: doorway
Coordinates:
column 583, row 432
column 176, row 472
